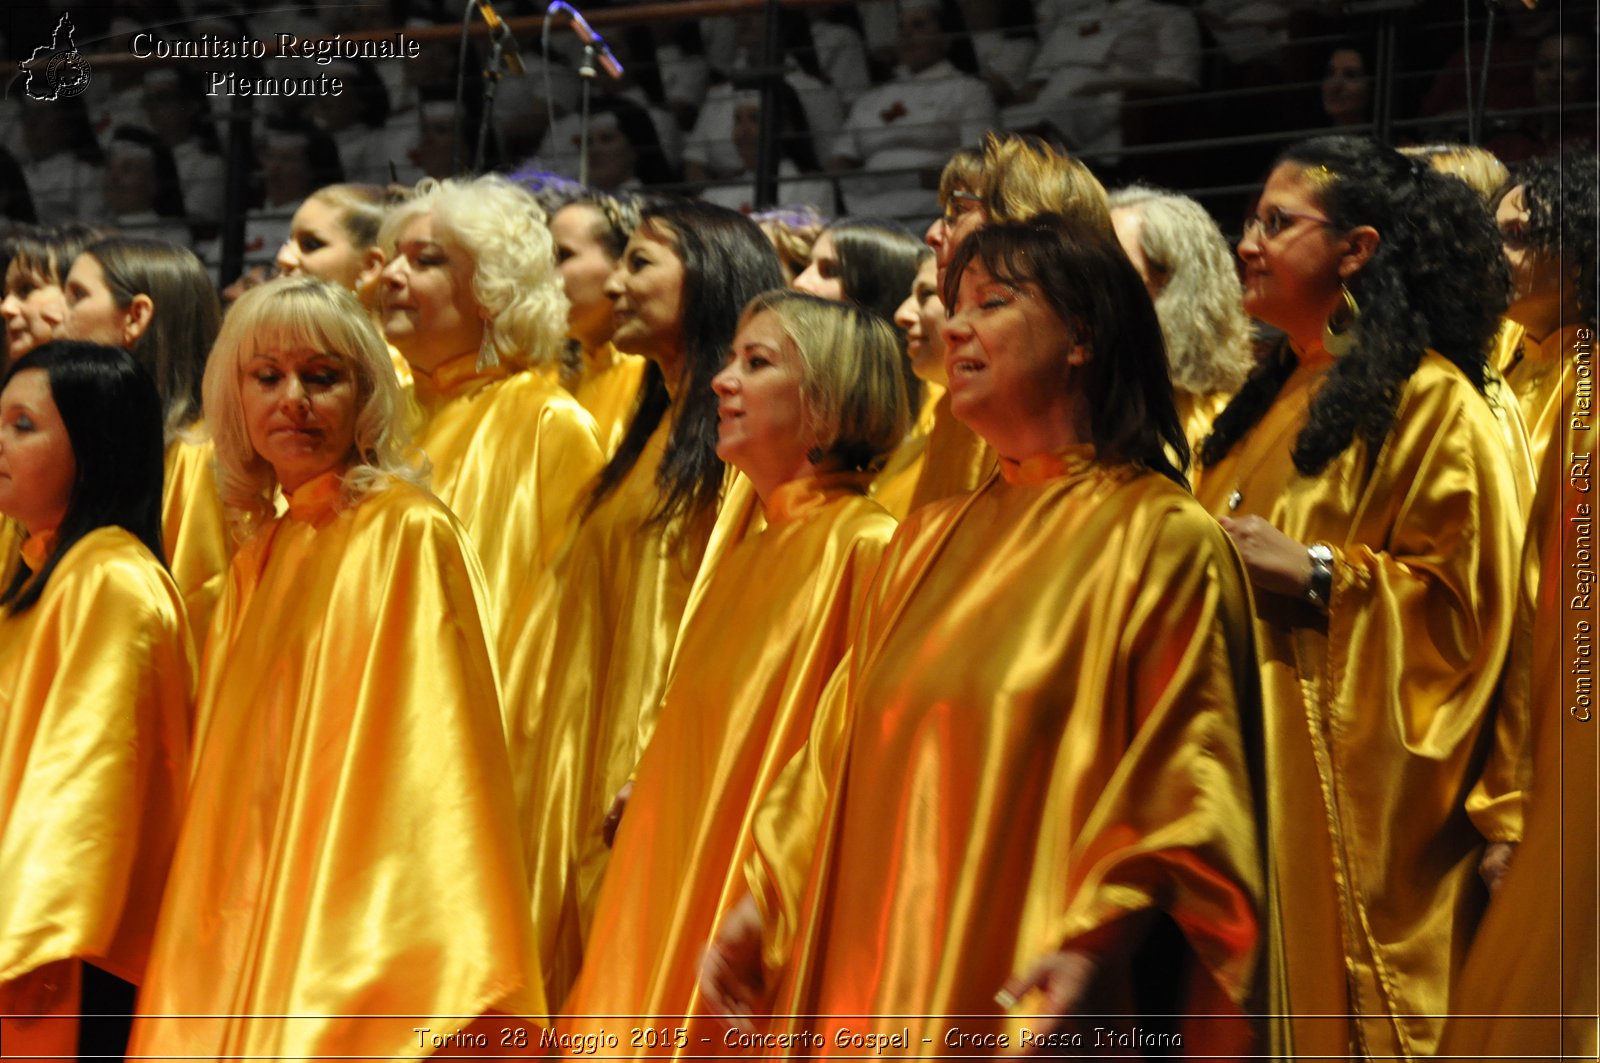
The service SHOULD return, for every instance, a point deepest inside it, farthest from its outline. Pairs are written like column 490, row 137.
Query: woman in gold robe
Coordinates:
column 919, row 317
column 472, row 299
column 812, row 398
column 589, row 235
column 1038, row 762
column 587, row 653
column 1010, row 179
column 1188, row 269
column 348, row 872
column 1529, row 984
column 155, row 300
column 96, row 681
column 1367, row 485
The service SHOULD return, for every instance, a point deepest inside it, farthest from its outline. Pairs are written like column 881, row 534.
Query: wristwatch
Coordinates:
column 1319, row 588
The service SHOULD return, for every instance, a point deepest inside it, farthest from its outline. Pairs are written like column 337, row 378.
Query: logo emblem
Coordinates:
column 57, row 71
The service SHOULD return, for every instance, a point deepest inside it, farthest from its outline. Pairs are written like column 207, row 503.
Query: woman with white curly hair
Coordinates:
column 1189, row 272
column 348, row 721
column 472, row 299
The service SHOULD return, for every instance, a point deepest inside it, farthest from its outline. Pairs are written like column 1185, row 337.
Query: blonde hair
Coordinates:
column 300, row 313
column 792, row 233
column 360, row 208
column 1478, row 167
column 1018, row 177
column 1201, row 303
column 503, row 229
column 853, row 390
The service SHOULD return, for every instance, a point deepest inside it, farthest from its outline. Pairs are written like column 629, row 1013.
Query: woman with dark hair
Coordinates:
column 1347, row 84
column 1048, row 675
column 35, row 306
column 586, row 655
column 98, row 670
column 1547, row 228
column 349, row 849
column 871, row 263
column 810, row 400
column 590, row 233
column 1365, row 481
column 155, row 300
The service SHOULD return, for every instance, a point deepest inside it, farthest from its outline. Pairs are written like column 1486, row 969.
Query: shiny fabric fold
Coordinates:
column 753, row 657
column 194, row 529
column 1041, row 733
column 896, row 482
column 96, row 688
column 586, row 657
column 512, row 457
column 1529, row 984
column 609, row 389
column 956, row 461
column 1379, row 716
column 348, row 869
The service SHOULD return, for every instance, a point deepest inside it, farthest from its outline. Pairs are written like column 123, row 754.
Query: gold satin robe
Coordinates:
column 1040, row 734
column 585, row 663
column 1529, row 985
column 1197, row 413
column 896, row 482
column 96, row 688
column 1377, row 715
column 350, row 847
column 512, row 457
column 956, row 460
column 1536, row 380
column 761, row 642
column 608, row 388
column 194, row 530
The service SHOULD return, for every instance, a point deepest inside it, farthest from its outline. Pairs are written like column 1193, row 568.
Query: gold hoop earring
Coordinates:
column 1339, row 334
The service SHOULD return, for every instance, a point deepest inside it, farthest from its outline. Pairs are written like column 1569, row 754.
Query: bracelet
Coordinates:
column 1319, row 588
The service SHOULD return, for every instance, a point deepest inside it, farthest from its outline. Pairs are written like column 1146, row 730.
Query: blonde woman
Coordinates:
column 810, row 400
column 1188, row 270
column 349, row 848
column 472, row 299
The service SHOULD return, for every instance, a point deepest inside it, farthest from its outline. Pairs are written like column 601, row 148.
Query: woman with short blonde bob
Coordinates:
column 348, row 721
column 810, row 400
column 472, row 299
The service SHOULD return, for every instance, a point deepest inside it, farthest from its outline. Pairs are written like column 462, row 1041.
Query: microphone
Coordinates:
column 587, row 35
column 500, row 34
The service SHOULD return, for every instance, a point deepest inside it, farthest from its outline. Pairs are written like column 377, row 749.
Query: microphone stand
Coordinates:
column 491, row 84
column 586, row 76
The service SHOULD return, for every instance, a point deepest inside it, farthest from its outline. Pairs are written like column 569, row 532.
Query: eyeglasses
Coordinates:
column 1276, row 221
column 960, row 203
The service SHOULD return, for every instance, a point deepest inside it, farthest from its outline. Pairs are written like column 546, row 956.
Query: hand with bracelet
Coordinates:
column 1280, row 564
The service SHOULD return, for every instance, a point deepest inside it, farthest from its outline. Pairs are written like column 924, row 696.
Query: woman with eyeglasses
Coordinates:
column 1364, row 481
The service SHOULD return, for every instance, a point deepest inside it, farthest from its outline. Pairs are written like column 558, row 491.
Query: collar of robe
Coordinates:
column 317, row 497
column 1074, row 461
column 36, row 550
column 454, row 377
column 798, row 497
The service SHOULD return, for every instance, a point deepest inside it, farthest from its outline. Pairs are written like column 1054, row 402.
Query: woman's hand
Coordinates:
column 1494, row 865
column 731, row 978
column 1063, row 977
column 613, row 820
column 1274, row 562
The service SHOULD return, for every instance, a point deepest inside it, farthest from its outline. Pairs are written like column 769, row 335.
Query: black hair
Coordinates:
column 1088, row 281
column 1563, row 203
column 727, row 261
column 16, row 202
column 1437, row 280
column 650, row 163
column 878, row 262
column 112, row 414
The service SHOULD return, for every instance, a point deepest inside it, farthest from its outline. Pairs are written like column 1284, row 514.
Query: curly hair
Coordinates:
column 793, row 232
column 299, row 313
column 1563, row 200
column 727, row 261
column 1201, row 302
column 1478, row 167
column 1436, row 280
column 502, row 228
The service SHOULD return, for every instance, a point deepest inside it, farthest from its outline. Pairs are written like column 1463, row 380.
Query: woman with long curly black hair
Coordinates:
column 1365, row 481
